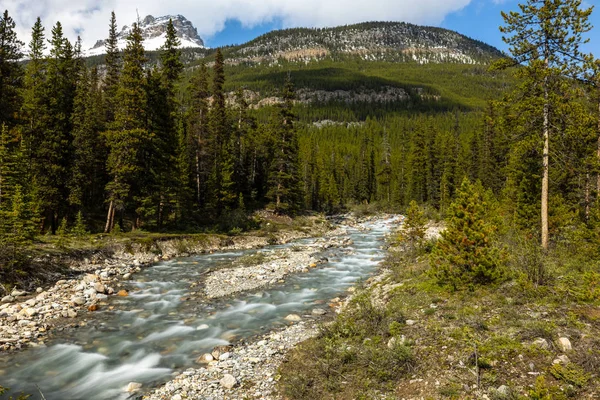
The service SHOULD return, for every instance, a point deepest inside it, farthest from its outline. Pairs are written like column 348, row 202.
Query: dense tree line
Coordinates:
column 120, row 141
column 133, row 144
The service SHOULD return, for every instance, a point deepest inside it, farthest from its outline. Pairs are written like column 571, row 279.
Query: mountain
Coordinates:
column 371, row 41
column 154, row 33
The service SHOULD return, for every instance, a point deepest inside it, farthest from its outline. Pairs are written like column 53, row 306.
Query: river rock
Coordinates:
column 88, row 278
column 133, row 387
column 93, row 307
column 122, row 293
column 562, row 359
column 78, row 301
column 205, row 359
column 18, row 293
column 319, row 311
column 127, row 276
column 31, row 302
column 224, row 356
column 101, row 297
column 228, row 381
column 293, row 318
column 31, row 312
column 503, row 391
column 99, row 287
column 541, row 343
column 39, row 290
column 410, row 322
column 564, row 344
column 7, row 299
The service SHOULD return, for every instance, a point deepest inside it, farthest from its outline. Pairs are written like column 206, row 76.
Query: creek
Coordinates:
column 161, row 328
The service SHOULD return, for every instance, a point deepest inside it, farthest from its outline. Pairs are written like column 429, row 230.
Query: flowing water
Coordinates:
column 152, row 334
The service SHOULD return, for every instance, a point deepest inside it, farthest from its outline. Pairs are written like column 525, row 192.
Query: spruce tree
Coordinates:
column 88, row 150
column 284, row 175
column 413, row 227
column 466, row 255
column 53, row 150
column 128, row 138
column 11, row 73
column 195, row 152
column 34, row 86
column 545, row 38
column 221, row 187
column 113, row 68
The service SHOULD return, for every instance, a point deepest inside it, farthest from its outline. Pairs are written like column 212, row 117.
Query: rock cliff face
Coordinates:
column 154, row 33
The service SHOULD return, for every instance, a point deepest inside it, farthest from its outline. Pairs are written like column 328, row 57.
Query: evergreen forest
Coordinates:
column 145, row 141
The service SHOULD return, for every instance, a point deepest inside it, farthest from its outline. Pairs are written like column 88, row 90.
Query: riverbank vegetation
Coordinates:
column 504, row 303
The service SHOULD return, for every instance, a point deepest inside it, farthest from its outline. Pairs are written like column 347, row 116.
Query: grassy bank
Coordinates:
column 533, row 335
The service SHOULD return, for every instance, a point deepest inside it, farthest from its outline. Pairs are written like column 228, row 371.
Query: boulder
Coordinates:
column 228, row 381
column 564, row 344
column 133, row 387
column 205, row 359
column 79, row 301
column 293, row 318
column 541, row 343
column 31, row 312
column 562, row 359
column 122, row 293
column 99, row 287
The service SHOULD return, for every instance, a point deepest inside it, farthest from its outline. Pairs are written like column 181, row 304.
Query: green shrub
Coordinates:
column 413, row 228
column 466, row 255
column 570, row 373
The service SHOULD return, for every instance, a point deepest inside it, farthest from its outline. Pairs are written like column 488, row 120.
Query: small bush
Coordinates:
column 413, row 228
column 570, row 373
column 466, row 255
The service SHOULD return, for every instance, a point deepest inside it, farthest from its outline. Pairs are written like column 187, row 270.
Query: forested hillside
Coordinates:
column 119, row 142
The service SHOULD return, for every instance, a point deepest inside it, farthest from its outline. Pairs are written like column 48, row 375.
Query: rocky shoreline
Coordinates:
column 279, row 264
column 28, row 317
column 243, row 371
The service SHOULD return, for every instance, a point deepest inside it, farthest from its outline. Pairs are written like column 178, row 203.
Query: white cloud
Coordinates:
column 90, row 17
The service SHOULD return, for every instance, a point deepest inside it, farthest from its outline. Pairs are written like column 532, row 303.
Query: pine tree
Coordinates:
column 284, row 175
column 196, row 155
column 113, row 68
column 53, row 150
column 11, row 73
column 466, row 255
column 546, row 39
column 413, row 226
column 170, row 58
column 33, row 106
column 166, row 105
column 128, row 138
column 88, row 150
column 385, row 174
column 222, row 187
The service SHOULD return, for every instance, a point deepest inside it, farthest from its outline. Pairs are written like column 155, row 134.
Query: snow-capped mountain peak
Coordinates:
column 154, row 31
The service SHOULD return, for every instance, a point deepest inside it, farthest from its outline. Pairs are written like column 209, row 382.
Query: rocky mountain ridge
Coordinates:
column 154, row 34
column 371, row 41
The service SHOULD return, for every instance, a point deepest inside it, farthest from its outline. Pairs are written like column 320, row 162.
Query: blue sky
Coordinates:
column 224, row 22
column 479, row 20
